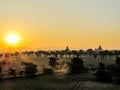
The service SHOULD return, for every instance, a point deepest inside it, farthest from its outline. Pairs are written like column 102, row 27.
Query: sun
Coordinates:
column 12, row 38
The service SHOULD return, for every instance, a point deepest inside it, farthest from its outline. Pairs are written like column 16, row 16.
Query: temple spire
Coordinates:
column 67, row 49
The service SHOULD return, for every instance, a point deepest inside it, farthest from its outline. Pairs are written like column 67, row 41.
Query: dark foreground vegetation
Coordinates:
column 109, row 73
column 55, row 82
column 76, row 70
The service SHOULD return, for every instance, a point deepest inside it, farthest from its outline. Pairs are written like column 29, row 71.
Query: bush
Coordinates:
column 21, row 73
column 103, row 76
column 52, row 61
column 47, row 71
column 76, row 67
column 12, row 71
column 3, row 63
column 30, row 68
column 101, row 66
column 117, row 61
column 115, row 71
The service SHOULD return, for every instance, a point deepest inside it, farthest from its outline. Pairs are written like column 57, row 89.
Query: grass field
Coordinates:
column 58, row 81
column 15, row 62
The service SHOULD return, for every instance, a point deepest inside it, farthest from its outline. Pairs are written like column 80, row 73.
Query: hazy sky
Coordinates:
column 58, row 23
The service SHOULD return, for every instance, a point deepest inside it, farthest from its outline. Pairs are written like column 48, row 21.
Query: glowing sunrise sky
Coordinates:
column 58, row 23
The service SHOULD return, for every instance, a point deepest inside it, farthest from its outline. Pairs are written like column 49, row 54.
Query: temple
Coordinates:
column 67, row 49
column 99, row 48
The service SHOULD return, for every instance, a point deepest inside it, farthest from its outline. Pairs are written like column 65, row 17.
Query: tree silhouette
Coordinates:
column 101, row 66
column 103, row 76
column 38, row 53
column 30, row 68
column 102, row 55
column 17, row 54
column 117, row 61
column 52, row 61
column 115, row 71
column 76, row 66
column 81, row 52
column 90, row 52
column 12, row 71
column 116, row 53
column 75, row 53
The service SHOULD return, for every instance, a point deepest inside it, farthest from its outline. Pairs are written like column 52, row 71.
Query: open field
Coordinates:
column 56, row 82
column 43, row 62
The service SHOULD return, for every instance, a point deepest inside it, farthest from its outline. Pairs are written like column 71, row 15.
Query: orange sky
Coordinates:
column 56, row 24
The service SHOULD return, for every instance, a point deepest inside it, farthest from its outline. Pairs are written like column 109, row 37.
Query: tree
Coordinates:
column 117, row 61
column 12, row 71
column 76, row 53
column 17, row 54
column 102, row 55
column 30, row 68
column 101, row 66
column 110, row 53
column 90, row 52
column 38, row 53
column 47, row 71
column 103, row 76
column 81, row 52
column 76, row 66
column 52, row 61
column 116, row 52
column 115, row 71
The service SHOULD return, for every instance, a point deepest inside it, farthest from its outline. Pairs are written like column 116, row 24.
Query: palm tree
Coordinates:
column 75, row 53
column 102, row 55
column 116, row 53
column 81, row 52
column 52, row 62
column 90, row 52
column 110, row 53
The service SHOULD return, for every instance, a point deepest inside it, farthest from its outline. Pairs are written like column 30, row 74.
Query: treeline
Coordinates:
column 103, row 54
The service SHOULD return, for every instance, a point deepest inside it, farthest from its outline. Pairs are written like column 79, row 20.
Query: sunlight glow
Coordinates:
column 12, row 38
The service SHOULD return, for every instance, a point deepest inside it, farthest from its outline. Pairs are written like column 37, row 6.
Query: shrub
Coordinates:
column 52, row 61
column 3, row 63
column 117, row 61
column 76, row 66
column 115, row 71
column 101, row 65
column 12, row 71
column 103, row 76
column 21, row 73
column 30, row 68
column 47, row 71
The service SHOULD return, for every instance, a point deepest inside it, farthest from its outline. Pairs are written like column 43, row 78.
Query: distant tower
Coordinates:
column 67, row 49
column 100, row 48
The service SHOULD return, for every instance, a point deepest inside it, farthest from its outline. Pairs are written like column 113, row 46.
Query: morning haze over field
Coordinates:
column 57, row 23
column 59, row 45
